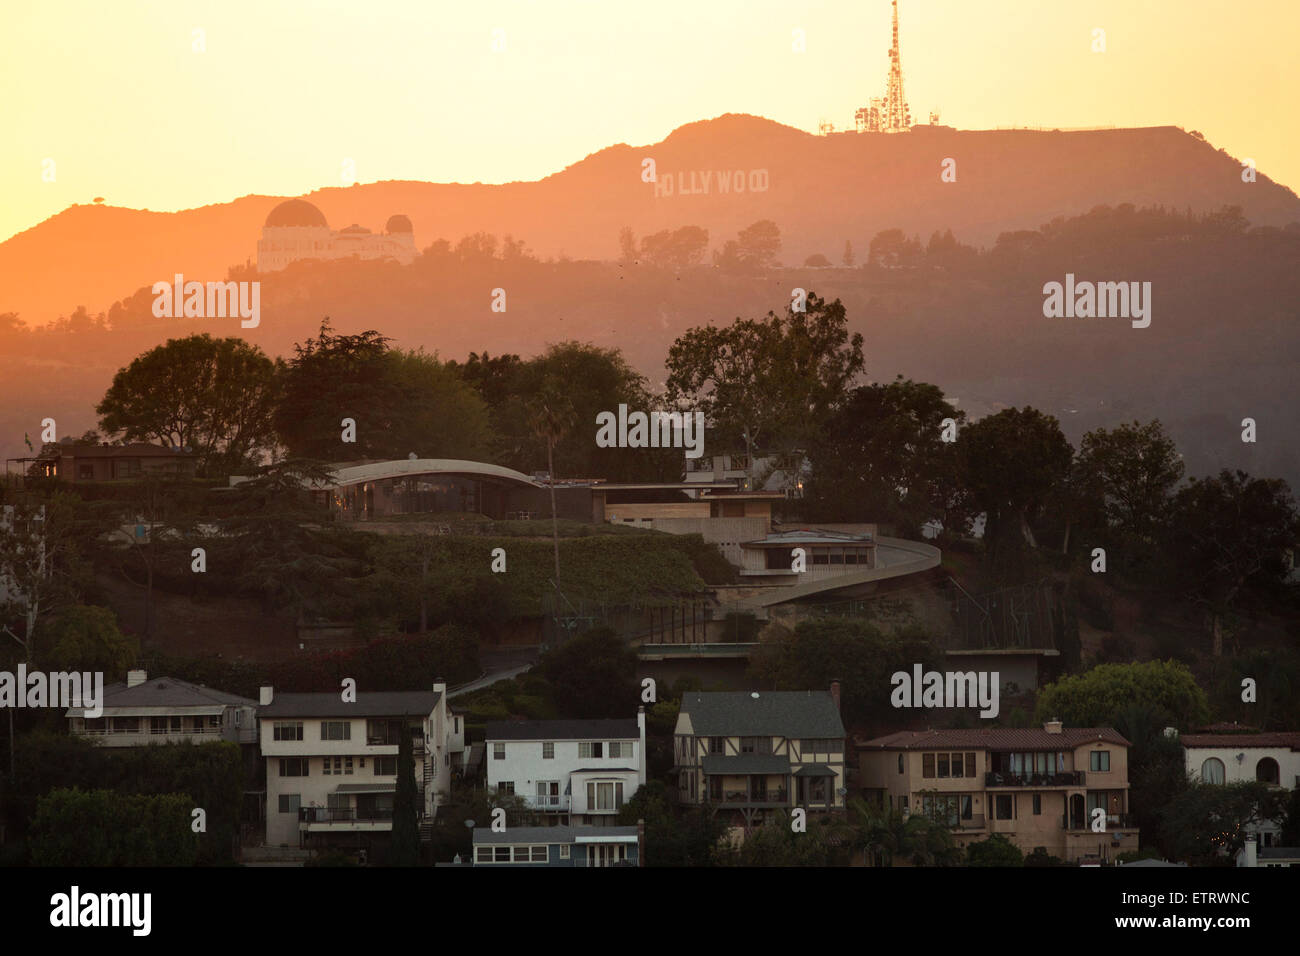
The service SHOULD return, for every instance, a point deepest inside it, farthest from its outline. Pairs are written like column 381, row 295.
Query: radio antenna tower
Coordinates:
column 890, row 114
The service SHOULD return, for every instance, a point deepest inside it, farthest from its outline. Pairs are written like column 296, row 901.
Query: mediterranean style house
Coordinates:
column 743, row 754
column 165, row 710
column 1038, row 788
column 1235, row 757
column 572, row 771
column 558, row 846
column 331, row 765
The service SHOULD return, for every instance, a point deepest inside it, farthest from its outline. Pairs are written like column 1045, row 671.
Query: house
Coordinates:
column 77, row 463
column 1227, row 756
column 559, row 846
column 1039, row 788
column 165, row 710
column 743, row 754
column 577, row 772
column 331, row 764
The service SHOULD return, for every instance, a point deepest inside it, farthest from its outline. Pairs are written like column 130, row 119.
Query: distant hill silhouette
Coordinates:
column 821, row 191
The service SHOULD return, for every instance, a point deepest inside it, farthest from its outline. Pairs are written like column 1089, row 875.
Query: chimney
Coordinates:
column 1250, row 852
column 1053, row 726
column 640, row 842
column 835, row 694
column 136, row 678
column 265, row 695
column 440, row 686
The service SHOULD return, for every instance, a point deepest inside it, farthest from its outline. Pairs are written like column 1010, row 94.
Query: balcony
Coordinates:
column 1070, row 778
column 344, row 818
column 976, row 822
column 750, row 798
column 1114, row 821
column 551, row 803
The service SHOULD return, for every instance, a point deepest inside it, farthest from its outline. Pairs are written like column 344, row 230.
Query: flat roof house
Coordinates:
column 110, row 462
column 743, row 754
column 331, row 765
column 1037, row 787
column 165, row 710
column 558, row 846
column 573, row 771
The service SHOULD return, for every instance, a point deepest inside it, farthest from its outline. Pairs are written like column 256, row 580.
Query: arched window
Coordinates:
column 1212, row 771
column 1266, row 771
column 900, row 763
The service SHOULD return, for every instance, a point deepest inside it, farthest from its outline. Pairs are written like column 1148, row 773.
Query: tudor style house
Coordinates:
column 558, row 846
column 331, row 765
column 578, row 772
column 165, row 710
column 747, row 753
column 1039, row 788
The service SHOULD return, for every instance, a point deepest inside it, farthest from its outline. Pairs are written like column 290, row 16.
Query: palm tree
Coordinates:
column 551, row 419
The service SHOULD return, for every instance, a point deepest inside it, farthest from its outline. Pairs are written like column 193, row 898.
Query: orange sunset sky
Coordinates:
column 284, row 93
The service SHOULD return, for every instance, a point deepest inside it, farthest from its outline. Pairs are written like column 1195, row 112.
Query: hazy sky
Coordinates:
column 285, row 93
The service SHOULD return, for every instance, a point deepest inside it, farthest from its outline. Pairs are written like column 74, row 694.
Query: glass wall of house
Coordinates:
column 781, row 558
column 424, row 494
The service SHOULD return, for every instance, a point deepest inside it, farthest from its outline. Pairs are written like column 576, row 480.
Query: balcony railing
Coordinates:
column 750, row 796
column 1114, row 821
column 1069, row 778
column 343, row 815
column 548, row 802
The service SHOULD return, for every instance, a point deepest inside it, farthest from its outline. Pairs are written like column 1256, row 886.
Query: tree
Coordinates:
column 215, row 396
column 87, row 638
column 1011, row 463
column 997, row 850
column 594, row 675
column 77, row 828
column 880, row 456
column 1207, row 824
column 689, row 839
column 848, row 254
column 765, row 382
column 1130, row 472
column 758, row 244
column 675, row 249
column 1097, row 697
column 406, row 806
column 891, row 249
column 626, row 247
column 817, row 261
column 1228, row 533
column 552, row 418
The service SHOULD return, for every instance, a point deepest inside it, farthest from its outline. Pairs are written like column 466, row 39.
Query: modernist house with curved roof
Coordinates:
column 296, row 230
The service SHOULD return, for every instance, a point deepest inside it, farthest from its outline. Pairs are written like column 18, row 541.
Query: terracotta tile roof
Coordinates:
column 1283, row 738
column 993, row 738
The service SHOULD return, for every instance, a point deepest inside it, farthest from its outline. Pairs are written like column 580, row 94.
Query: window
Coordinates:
column 1099, row 760
column 385, row 766
column 956, row 765
column 548, row 751
column 1038, row 804
column 325, row 766
column 604, row 796
column 157, row 725
column 548, row 793
column 970, row 765
column 900, row 763
column 620, row 749
column 717, row 745
column 927, row 765
column 1212, row 770
column 293, row 767
column 336, row 730
column 501, row 854
column 591, row 748
column 564, row 851
column 506, row 786
column 943, row 765
column 1267, row 771
column 290, row 802
column 287, row 730
column 966, row 806
column 483, row 854
column 498, row 751
column 1003, row 806
column 347, row 764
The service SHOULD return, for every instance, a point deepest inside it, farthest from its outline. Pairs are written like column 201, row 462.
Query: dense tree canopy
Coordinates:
column 216, row 396
column 1097, row 697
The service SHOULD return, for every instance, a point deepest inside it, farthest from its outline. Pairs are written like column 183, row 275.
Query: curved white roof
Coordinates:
column 378, row 470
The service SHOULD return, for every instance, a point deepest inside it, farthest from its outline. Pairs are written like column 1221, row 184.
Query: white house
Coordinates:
column 1272, row 758
column 331, row 765
column 165, row 710
column 579, row 771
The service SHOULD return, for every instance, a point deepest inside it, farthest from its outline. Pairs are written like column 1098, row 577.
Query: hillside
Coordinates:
column 821, row 191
